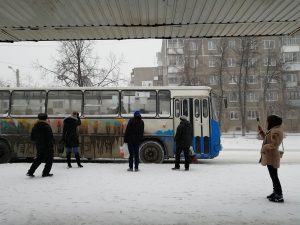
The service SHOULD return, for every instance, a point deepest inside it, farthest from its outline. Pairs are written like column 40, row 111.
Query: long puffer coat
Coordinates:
column 270, row 154
column 70, row 133
column 184, row 134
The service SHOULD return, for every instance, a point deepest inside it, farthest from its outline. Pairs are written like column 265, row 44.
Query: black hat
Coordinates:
column 274, row 120
column 42, row 116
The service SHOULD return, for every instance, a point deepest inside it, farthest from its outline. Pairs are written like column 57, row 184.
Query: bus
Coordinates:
column 104, row 113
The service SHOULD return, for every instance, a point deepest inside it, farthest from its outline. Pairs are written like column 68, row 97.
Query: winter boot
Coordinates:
column 277, row 198
column 69, row 159
column 271, row 195
column 77, row 157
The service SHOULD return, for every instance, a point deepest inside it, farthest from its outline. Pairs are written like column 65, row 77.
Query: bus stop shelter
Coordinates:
column 54, row 20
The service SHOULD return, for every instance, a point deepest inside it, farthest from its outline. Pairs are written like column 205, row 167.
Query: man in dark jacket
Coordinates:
column 42, row 135
column 134, row 134
column 71, row 138
column 183, row 139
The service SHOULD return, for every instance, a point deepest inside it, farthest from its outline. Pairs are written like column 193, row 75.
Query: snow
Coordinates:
column 230, row 189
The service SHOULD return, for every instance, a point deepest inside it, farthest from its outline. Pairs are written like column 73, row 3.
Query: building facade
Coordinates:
column 258, row 76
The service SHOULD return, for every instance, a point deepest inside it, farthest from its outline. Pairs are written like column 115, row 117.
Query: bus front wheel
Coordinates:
column 151, row 152
column 5, row 154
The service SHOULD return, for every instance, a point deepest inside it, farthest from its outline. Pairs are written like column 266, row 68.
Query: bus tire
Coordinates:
column 5, row 153
column 151, row 152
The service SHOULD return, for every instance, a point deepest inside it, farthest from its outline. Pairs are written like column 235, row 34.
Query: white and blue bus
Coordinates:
column 105, row 113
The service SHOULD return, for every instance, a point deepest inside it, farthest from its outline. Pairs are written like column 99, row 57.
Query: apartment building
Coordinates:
column 258, row 75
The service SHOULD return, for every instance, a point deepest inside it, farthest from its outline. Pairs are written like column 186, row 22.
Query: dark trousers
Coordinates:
column 134, row 155
column 275, row 180
column 186, row 152
column 42, row 157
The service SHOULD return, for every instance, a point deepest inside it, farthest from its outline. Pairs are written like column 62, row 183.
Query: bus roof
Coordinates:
column 110, row 88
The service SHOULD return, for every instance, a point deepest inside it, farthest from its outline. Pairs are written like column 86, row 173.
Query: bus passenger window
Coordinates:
column 4, row 103
column 177, row 108
column 28, row 102
column 197, row 108
column 144, row 101
column 65, row 102
column 205, row 108
column 185, row 107
column 101, row 103
column 164, row 99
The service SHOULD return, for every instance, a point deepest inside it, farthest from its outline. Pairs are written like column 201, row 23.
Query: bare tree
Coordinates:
column 246, row 53
column 273, row 84
column 76, row 66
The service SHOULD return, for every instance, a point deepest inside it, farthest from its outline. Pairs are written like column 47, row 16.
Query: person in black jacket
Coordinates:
column 71, row 138
column 42, row 135
column 134, row 134
column 183, row 138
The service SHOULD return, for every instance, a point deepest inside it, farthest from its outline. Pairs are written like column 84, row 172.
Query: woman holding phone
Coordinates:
column 270, row 155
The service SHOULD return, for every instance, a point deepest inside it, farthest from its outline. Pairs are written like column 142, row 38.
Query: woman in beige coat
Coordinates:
column 270, row 155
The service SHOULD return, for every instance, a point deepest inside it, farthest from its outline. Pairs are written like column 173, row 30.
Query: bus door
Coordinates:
column 183, row 106
column 201, row 125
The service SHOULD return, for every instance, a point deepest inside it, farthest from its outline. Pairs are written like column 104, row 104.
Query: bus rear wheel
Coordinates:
column 151, row 152
column 5, row 154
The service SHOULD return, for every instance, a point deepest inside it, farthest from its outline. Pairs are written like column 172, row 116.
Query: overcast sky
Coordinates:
column 23, row 55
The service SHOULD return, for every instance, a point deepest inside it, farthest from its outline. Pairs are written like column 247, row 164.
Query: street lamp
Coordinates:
column 17, row 75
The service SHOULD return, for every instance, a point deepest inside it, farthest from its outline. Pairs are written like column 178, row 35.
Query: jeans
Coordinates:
column 134, row 154
column 75, row 150
column 274, row 176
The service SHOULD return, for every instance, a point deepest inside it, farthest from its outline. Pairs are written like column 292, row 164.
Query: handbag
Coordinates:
column 61, row 146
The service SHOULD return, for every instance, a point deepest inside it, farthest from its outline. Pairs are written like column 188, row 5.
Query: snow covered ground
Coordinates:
column 230, row 189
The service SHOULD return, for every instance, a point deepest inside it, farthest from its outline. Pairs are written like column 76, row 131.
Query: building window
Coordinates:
column 192, row 62
column 175, row 43
column 253, row 44
column 292, row 114
column 213, row 79
column 291, row 41
column 293, row 95
column 269, row 44
column 291, row 57
column 233, row 115
column 174, row 60
column 269, row 62
column 252, row 97
column 231, row 62
column 231, row 44
column 252, row 79
column 291, row 78
column 252, row 114
column 272, row 96
column 233, row 97
column 212, row 45
column 211, row 62
column 252, row 61
column 193, row 46
column 233, row 79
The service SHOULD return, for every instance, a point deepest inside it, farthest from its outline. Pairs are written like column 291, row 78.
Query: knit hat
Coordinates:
column 137, row 114
column 42, row 116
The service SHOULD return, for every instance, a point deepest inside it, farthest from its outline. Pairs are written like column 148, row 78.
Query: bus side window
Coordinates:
column 177, row 108
column 205, row 108
column 197, row 108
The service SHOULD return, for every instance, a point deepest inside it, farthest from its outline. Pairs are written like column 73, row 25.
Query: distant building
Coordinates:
column 145, row 76
column 258, row 75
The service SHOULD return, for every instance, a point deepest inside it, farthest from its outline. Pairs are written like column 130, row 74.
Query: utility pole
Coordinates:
column 17, row 75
